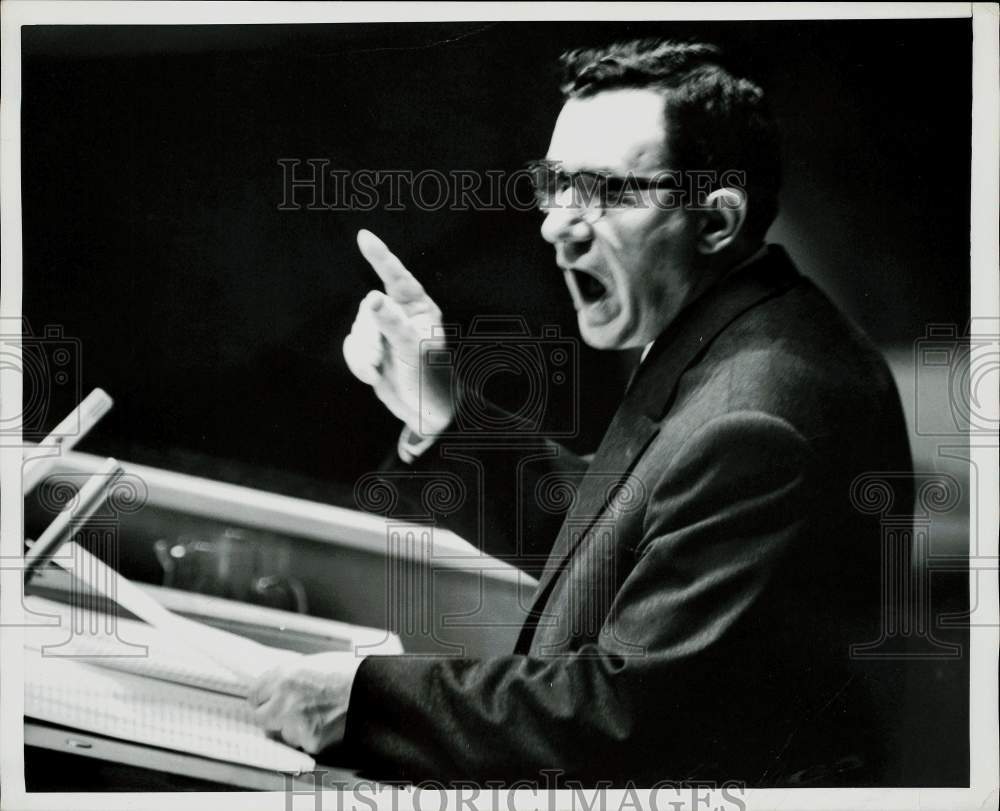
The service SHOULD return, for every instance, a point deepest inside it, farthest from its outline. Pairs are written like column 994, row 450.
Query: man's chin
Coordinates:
column 607, row 335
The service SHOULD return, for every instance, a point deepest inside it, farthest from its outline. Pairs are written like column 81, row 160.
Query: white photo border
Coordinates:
column 985, row 295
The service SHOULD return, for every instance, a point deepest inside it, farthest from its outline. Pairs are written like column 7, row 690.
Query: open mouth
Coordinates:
column 591, row 288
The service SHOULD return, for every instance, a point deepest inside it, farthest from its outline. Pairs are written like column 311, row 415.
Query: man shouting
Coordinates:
column 731, row 582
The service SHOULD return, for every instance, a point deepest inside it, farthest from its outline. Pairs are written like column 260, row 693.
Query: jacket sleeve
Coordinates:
column 721, row 519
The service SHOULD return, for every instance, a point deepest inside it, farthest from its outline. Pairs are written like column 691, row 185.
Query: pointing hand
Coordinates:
column 390, row 340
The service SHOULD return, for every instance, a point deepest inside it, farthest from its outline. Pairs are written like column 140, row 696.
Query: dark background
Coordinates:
column 152, row 232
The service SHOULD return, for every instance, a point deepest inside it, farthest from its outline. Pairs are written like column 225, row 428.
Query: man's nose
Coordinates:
column 565, row 223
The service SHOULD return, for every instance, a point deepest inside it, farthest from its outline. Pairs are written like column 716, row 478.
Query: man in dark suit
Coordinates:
column 701, row 591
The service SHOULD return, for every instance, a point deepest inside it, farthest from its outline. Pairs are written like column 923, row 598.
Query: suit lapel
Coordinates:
column 631, row 430
column 649, row 395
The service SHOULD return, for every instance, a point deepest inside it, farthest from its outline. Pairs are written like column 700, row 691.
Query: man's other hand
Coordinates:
column 390, row 341
column 305, row 701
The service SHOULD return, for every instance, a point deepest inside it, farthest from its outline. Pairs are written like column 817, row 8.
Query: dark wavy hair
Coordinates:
column 716, row 120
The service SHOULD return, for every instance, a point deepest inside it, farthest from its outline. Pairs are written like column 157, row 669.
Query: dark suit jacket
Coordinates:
column 694, row 614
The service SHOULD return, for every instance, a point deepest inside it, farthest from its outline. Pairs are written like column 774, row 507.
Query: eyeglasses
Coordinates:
column 593, row 193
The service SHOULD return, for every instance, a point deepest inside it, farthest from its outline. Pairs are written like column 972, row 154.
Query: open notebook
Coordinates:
column 151, row 711
column 131, row 680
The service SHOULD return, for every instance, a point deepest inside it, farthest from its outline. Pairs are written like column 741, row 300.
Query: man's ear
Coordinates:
column 723, row 215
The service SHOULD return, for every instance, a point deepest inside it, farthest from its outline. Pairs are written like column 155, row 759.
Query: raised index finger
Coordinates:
column 400, row 284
